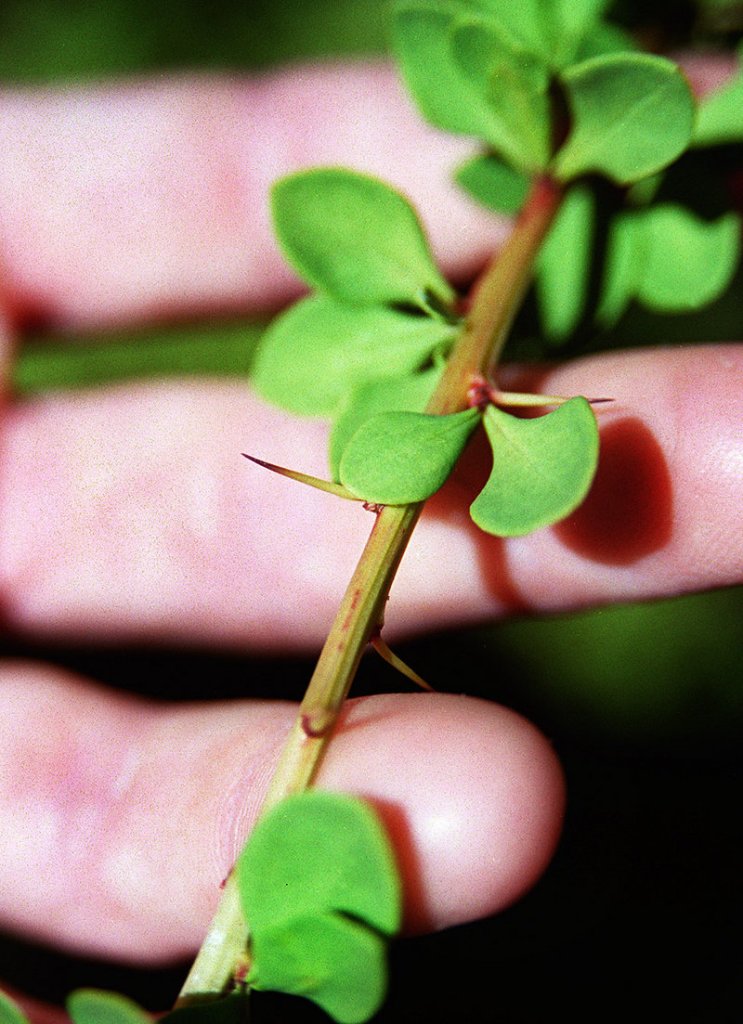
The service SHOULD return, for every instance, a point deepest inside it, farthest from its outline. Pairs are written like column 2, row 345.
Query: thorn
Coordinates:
column 397, row 663
column 525, row 399
column 303, row 478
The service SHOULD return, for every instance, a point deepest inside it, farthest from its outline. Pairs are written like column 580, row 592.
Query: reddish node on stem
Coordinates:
column 314, row 727
column 479, row 394
column 242, row 969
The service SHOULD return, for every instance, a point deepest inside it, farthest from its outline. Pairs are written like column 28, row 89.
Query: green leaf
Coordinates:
column 553, row 29
column 337, row 963
column 685, row 262
column 720, row 115
column 421, row 34
column 644, row 191
column 514, row 83
column 669, row 259
column 621, row 269
column 319, row 888
column 211, row 348
column 316, row 852
column 401, row 394
column 9, row 1012
column 604, row 38
column 567, row 24
column 522, row 23
column 92, row 1006
column 542, row 468
column 632, row 115
column 493, row 183
column 397, row 458
column 355, row 237
column 564, row 264
column 318, row 350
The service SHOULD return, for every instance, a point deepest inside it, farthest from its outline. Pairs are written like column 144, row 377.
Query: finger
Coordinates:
column 151, row 199
column 120, row 819
column 129, row 513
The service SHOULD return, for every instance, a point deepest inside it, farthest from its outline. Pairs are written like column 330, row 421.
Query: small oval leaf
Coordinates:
column 317, row 852
column 569, row 22
column 564, row 265
column 524, row 22
column 720, row 117
column 494, row 183
column 400, row 394
column 621, row 269
column 337, row 963
column 685, row 261
column 355, row 237
column 9, row 1012
column 398, row 458
column 632, row 115
column 514, row 84
column 92, row 1006
column 317, row 351
column 604, row 38
column 554, row 29
column 421, row 39
column 542, row 468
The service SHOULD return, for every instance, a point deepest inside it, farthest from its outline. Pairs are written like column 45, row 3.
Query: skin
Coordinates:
column 128, row 204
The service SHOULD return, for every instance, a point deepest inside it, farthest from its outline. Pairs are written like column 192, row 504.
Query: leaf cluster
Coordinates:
column 321, row 894
column 367, row 350
column 547, row 87
column 569, row 95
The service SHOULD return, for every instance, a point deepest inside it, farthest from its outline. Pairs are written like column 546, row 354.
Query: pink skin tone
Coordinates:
column 129, row 204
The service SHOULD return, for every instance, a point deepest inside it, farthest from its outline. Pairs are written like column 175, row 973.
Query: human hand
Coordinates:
column 128, row 515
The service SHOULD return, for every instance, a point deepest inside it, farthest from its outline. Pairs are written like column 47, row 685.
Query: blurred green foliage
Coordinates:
column 46, row 40
column 224, row 349
column 666, row 671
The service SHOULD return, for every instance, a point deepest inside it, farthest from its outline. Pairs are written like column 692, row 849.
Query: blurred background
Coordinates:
column 639, row 914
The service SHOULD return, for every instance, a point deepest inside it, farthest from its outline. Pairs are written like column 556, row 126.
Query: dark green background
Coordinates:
column 638, row 916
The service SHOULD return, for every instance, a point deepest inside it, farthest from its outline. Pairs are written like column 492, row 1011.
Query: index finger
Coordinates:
column 150, row 199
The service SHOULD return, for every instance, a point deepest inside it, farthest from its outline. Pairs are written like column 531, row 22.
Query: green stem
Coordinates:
column 497, row 298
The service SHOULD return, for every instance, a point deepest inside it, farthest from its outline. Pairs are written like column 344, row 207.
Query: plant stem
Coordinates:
column 497, row 298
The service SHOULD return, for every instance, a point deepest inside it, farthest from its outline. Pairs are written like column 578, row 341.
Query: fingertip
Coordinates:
column 472, row 793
